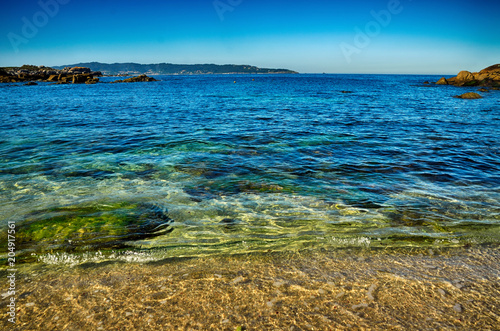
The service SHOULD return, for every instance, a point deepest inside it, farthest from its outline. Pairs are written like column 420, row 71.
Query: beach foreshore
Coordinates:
column 347, row 289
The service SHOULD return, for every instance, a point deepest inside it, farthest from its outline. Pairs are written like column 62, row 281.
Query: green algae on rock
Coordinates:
column 90, row 227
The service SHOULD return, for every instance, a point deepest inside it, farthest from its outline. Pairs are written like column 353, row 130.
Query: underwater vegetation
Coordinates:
column 90, row 227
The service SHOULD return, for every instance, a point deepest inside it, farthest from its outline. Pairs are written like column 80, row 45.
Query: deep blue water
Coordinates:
column 248, row 163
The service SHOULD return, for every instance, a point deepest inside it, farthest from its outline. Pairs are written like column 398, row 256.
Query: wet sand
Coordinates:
column 455, row 289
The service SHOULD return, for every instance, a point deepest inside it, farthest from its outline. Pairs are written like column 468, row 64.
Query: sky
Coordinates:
column 357, row 36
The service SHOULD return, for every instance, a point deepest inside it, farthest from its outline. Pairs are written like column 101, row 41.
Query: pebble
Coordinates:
column 372, row 288
column 458, row 308
column 30, row 304
column 237, row 280
column 326, row 319
column 458, row 284
column 442, row 292
column 278, row 283
column 361, row 305
column 128, row 313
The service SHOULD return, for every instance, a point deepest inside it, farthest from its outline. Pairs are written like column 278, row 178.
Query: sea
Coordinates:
column 215, row 165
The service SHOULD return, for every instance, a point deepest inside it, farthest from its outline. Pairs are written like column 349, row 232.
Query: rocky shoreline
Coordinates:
column 488, row 77
column 30, row 75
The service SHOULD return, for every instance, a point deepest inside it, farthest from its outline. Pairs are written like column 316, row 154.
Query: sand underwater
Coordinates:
column 350, row 289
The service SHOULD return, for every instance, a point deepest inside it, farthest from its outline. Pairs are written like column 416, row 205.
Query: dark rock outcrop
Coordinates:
column 29, row 73
column 141, row 78
column 488, row 77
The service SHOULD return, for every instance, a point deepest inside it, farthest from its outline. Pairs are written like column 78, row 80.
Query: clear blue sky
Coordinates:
column 419, row 36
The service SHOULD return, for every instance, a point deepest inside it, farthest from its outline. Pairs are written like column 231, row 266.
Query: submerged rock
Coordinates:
column 141, row 78
column 90, row 227
column 469, row 95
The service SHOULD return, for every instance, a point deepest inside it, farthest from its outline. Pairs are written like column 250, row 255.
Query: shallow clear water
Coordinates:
column 195, row 165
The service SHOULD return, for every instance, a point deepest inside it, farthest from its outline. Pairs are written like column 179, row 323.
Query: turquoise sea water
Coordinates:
column 195, row 165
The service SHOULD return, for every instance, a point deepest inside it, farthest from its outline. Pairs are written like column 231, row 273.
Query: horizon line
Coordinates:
column 233, row 64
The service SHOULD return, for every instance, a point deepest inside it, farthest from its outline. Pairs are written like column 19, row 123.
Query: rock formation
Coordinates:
column 29, row 73
column 488, row 77
column 469, row 95
column 141, row 78
column 69, row 75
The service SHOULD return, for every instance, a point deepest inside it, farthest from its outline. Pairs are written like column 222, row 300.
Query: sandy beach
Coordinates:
column 333, row 290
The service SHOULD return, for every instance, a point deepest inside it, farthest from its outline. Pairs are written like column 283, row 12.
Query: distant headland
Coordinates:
column 88, row 72
column 114, row 69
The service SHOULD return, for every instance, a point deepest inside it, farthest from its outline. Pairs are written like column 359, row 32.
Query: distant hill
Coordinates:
column 175, row 69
